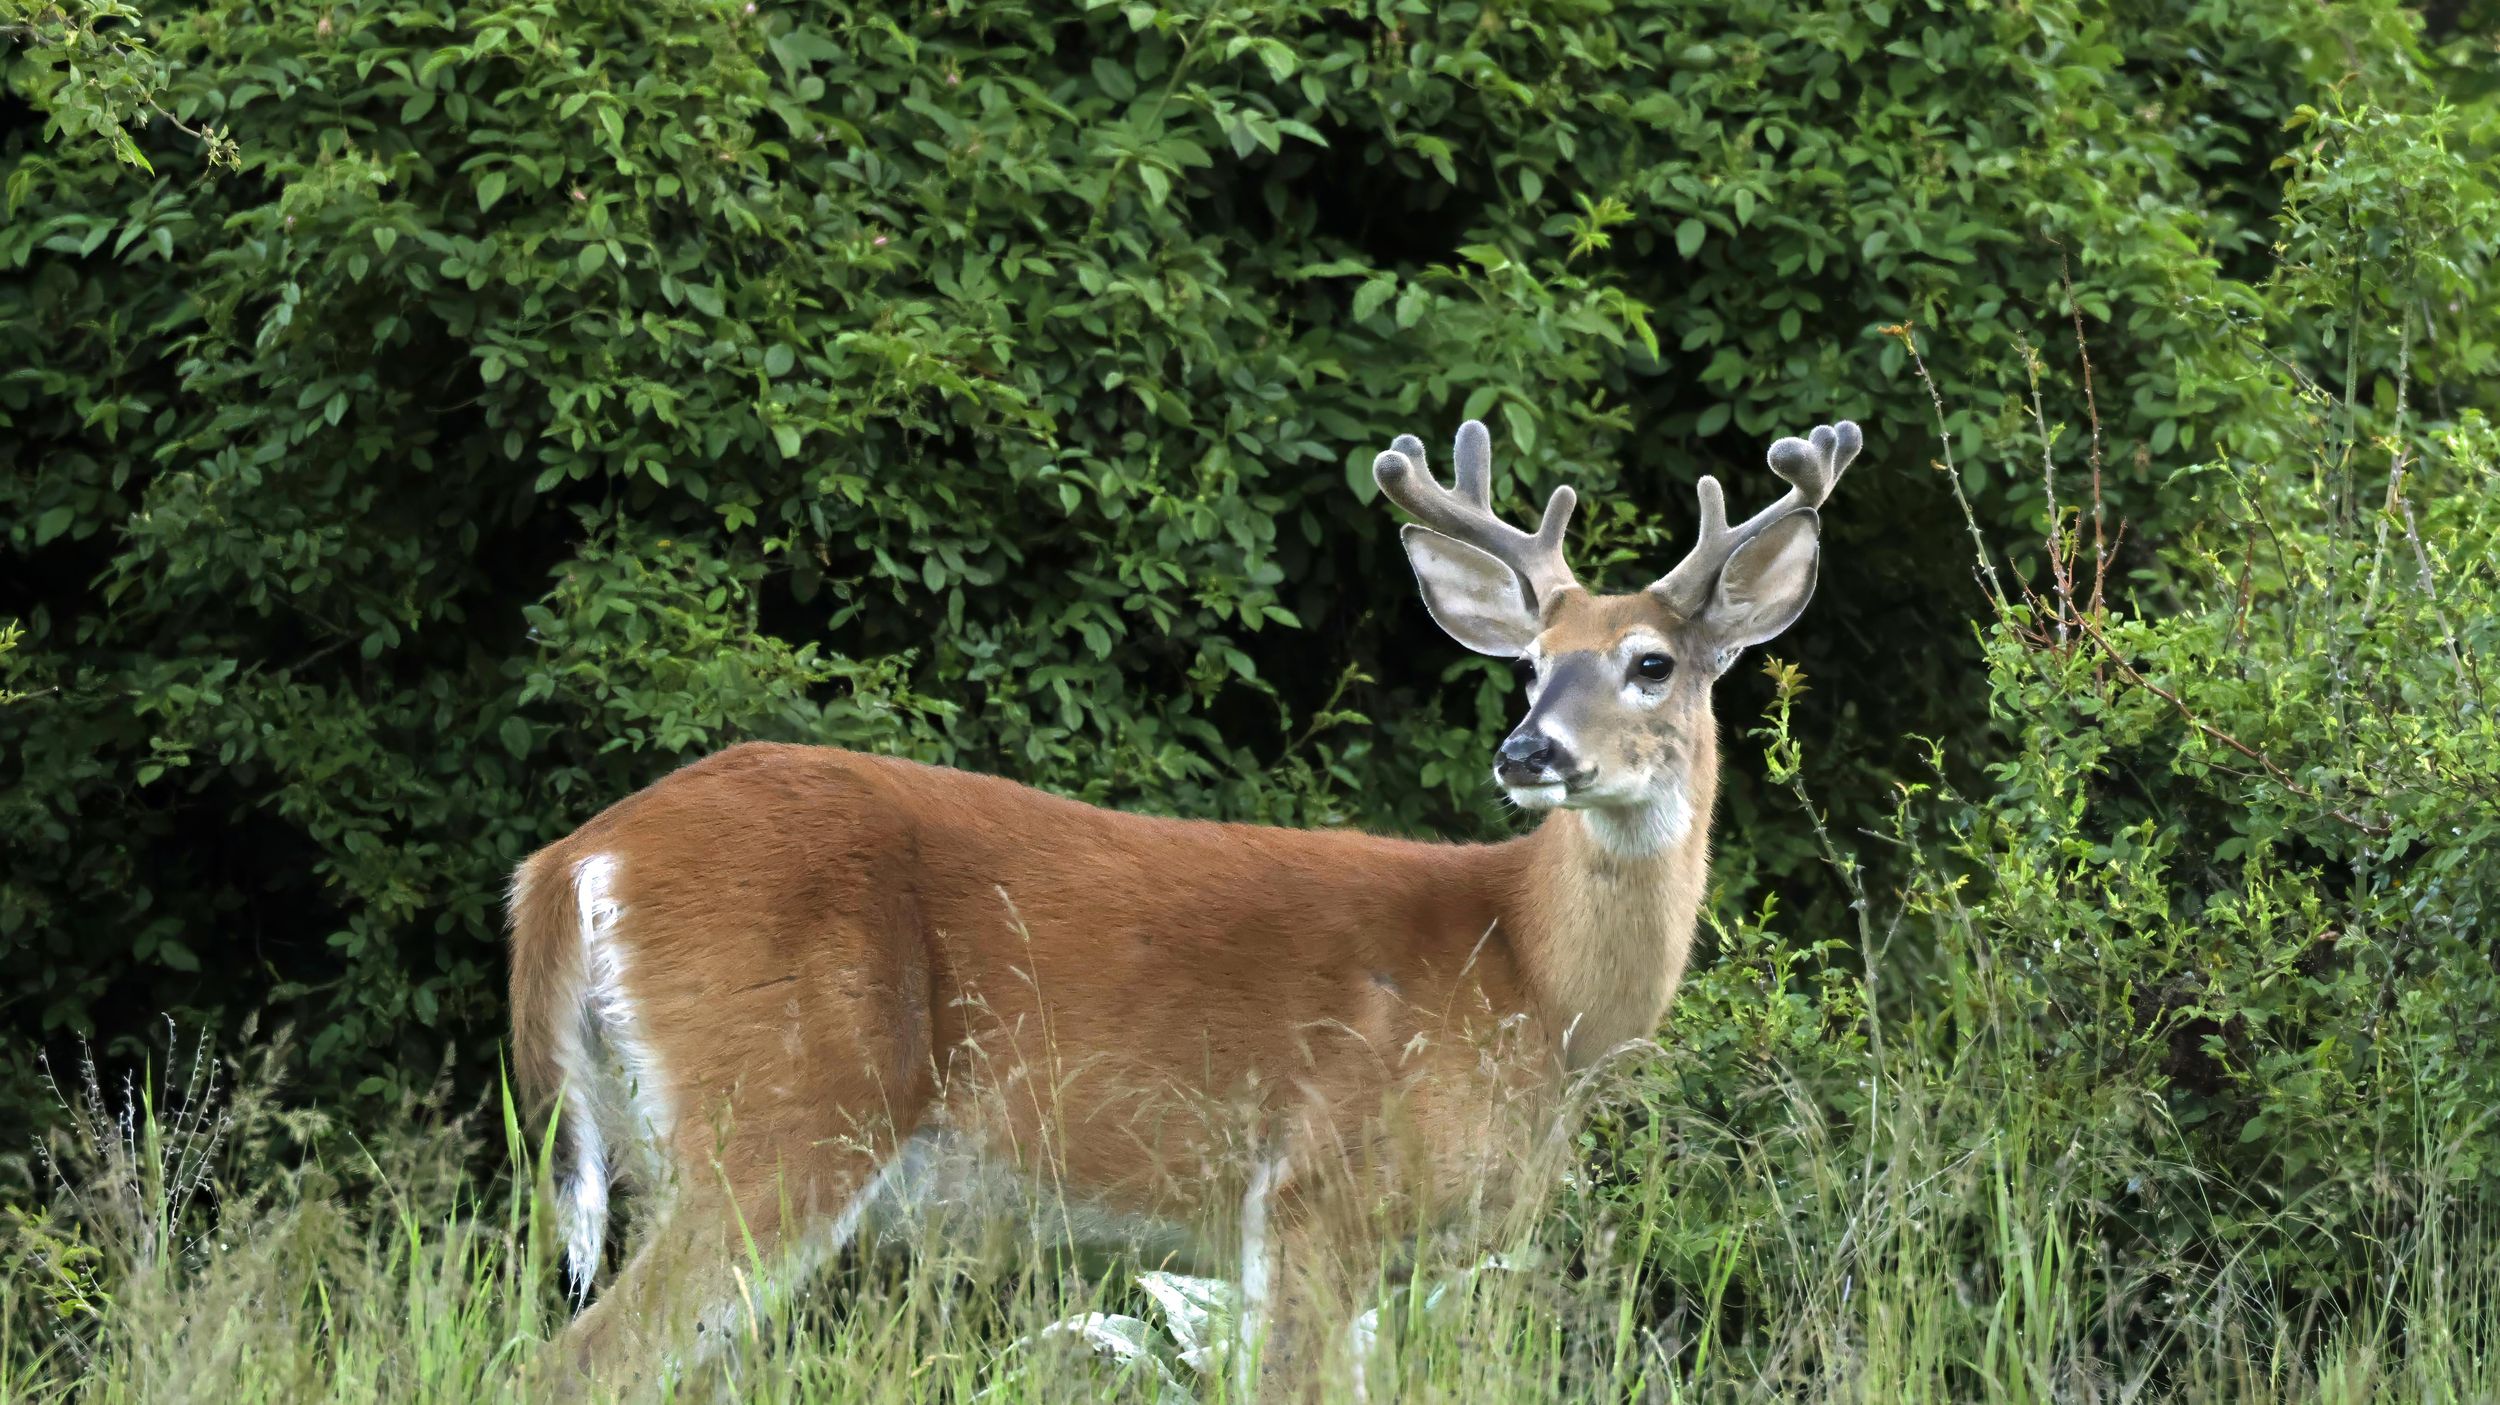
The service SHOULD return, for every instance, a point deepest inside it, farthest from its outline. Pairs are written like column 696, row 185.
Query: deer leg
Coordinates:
column 1301, row 1267
column 723, row 1254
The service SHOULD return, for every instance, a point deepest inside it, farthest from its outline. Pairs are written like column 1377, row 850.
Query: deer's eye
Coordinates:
column 1654, row 667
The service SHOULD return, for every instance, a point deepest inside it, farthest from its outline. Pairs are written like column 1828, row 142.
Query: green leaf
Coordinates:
column 1114, row 79
column 1359, row 477
column 490, row 189
column 1688, row 236
column 515, row 734
column 1522, row 423
column 778, row 360
column 1279, row 58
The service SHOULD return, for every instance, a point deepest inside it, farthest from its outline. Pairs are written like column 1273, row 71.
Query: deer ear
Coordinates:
column 1765, row 585
column 1476, row 599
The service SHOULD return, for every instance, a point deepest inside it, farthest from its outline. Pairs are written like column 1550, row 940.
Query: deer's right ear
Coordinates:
column 1471, row 595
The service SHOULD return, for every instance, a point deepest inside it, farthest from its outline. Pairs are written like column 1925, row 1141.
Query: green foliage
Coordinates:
column 2188, row 995
column 553, row 392
column 84, row 64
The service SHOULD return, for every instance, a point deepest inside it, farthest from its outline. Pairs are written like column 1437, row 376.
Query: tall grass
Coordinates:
column 1947, row 1156
column 2161, row 1071
column 1938, row 1246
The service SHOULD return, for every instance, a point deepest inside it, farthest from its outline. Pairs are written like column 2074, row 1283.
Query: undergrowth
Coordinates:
column 2156, row 1063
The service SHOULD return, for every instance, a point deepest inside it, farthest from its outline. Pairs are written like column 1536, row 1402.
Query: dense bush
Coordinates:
column 436, row 420
column 427, row 423
column 2179, row 1023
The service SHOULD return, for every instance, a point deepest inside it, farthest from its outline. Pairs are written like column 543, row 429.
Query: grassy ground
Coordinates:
column 2125, row 1122
column 1929, row 1245
column 2136, row 1080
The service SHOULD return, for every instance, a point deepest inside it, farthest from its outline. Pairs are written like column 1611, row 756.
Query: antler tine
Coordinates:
column 1466, row 511
column 1812, row 467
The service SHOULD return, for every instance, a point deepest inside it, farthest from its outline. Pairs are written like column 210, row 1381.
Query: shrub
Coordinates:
column 2188, row 1003
column 433, row 422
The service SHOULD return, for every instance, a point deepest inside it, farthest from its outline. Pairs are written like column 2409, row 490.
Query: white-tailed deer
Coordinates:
column 780, row 981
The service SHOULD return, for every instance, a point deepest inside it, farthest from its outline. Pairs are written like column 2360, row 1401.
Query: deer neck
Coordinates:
column 1610, row 901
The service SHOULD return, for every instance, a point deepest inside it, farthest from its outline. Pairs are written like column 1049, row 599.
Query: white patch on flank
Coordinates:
column 1639, row 831
column 942, row 1182
column 720, row 1324
column 846, row 1225
column 1256, row 1283
column 931, row 1179
column 621, row 1095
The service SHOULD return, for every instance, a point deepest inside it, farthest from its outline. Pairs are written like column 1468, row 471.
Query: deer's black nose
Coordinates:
column 1526, row 758
column 1532, row 749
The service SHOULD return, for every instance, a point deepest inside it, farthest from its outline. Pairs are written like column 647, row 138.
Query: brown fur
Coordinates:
column 829, row 950
column 540, row 905
column 829, row 954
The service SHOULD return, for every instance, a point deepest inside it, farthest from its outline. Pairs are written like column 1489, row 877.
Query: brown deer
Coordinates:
column 787, row 983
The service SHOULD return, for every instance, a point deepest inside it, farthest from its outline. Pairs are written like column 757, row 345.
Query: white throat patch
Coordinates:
column 1641, row 831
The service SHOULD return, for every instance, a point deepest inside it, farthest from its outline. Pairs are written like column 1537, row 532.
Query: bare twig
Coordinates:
column 1907, row 334
column 2060, row 578
column 2092, row 413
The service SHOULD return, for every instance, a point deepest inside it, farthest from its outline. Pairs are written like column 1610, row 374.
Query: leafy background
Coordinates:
column 428, row 422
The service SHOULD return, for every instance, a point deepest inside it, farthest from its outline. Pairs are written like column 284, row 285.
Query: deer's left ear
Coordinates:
column 1765, row 585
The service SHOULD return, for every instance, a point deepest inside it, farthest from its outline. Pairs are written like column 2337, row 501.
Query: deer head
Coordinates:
column 1619, row 709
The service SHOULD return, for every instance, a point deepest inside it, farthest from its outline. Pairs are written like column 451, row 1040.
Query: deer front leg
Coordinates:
column 1301, row 1271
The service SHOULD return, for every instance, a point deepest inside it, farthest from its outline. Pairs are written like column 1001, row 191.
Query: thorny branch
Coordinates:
column 1907, row 334
column 2071, row 622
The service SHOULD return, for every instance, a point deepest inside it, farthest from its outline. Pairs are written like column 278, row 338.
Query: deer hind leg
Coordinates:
column 725, row 1253
column 754, row 1202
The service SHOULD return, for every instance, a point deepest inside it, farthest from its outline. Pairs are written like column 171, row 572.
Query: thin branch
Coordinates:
column 2060, row 578
column 1907, row 334
column 2092, row 412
